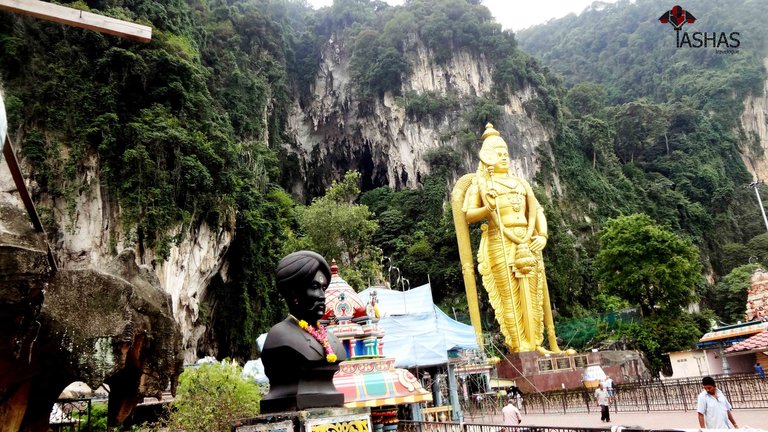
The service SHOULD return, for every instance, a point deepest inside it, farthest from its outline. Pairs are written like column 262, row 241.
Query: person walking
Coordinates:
column 602, row 396
column 510, row 413
column 713, row 408
column 759, row 371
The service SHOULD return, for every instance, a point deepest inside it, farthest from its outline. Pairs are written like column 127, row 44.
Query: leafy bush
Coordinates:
column 728, row 298
column 375, row 66
column 655, row 336
column 432, row 104
column 211, row 396
column 483, row 111
column 98, row 417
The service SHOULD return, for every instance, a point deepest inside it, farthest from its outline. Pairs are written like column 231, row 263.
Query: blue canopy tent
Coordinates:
column 418, row 333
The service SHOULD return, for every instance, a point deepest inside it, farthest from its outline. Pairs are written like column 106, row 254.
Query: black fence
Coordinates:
column 743, row 391
column 412, row 426
column 71, row 415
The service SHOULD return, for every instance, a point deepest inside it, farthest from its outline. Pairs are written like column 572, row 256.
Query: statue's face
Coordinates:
column 502, row 164
column 310, row 300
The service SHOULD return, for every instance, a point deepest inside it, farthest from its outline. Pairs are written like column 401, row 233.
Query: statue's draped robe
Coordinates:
column 517, row 299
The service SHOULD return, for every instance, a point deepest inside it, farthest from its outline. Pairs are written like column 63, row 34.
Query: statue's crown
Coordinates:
column 492, row 140
column 490, row 131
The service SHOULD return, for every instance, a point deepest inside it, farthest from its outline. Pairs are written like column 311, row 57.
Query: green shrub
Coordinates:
column 211, row 396
column 483, row 110
column 429, row 104
column 97, row 419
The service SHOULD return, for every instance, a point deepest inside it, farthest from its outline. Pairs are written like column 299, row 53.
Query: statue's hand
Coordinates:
column 490, row 198
column 538, row 243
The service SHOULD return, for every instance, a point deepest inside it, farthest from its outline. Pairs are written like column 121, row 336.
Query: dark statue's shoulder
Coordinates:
column 286, row 332
column 286, row 337
column 299, row 375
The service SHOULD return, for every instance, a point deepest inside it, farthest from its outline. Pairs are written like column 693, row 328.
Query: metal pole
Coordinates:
column 726, row 366
column 453, row 394
column 754, row 185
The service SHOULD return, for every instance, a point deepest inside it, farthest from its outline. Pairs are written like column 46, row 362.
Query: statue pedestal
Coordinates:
column 536, row 372
column 310, row 420
column 323, row 394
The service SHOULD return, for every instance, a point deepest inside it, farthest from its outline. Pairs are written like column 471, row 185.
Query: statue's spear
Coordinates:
column 504, row 251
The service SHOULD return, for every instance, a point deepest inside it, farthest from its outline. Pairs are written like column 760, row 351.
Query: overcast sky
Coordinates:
column 516, row 14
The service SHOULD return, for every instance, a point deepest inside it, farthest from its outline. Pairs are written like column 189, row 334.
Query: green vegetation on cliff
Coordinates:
column 655, row 129
column 181, row 130
column 190, row 128
column 659, row 125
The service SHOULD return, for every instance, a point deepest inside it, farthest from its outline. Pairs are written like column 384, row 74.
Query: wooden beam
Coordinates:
column 78, row 18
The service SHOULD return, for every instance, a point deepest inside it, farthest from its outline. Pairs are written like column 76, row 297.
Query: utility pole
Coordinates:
column 754, row 185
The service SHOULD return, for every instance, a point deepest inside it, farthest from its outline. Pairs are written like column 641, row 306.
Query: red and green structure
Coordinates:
column 367, row 378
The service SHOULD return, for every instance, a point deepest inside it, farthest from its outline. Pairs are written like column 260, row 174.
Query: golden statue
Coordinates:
column 509, row 257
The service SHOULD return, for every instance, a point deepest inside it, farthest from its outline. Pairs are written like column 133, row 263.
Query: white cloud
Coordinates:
column 516, row 14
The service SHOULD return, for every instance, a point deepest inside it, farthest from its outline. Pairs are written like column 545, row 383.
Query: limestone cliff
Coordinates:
column 108, row 324
column 754, row 120
column 332, row 133
column 89, row 233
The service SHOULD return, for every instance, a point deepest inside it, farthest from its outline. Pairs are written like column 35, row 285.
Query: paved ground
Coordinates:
column 754, row 418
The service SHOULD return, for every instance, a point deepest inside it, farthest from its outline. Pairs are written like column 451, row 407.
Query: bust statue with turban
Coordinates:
column 299, row 356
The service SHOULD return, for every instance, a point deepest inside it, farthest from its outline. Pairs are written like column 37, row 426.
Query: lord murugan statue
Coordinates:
column 509, row 257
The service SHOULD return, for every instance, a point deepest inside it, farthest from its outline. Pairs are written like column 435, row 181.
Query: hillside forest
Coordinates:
column 646, row 141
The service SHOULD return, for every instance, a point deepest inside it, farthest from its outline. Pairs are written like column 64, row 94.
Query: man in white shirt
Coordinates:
column 510, row 413
column 608, row 384
column 601, row 395
column 713, row 408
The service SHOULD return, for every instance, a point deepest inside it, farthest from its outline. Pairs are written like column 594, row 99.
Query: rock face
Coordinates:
column 754, row 120
column 112, row 325
column 334, row 133
column 90, row 234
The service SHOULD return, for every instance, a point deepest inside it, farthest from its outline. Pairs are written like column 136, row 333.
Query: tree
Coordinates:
column 483, row 111
column 586, row 99
column 211, row 396
column 641, row 124
column 647, row 264
column 597, row 140
column 337, row 228
column 729, row 299
column 757, row 246
column 656, row 336
column 398, row 29
column 387, row 71
column 734, row 255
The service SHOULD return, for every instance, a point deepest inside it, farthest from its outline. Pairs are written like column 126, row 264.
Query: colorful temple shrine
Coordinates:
column 367, row 378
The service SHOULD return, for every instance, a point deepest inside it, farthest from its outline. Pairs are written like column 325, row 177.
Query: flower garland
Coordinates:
column 321, row 335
